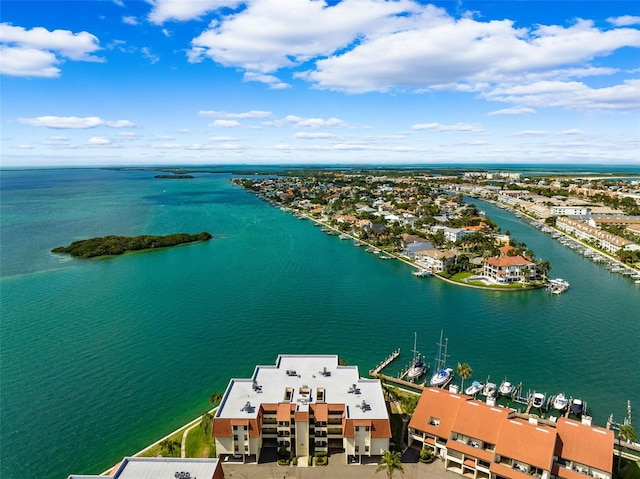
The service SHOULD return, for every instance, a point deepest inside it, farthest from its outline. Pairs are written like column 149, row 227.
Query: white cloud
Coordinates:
column 271, row 80
column 222, row 138
column 359, row 46
column 120, row 124
column 570, row 95
column 37, row 52
column 457, row 128
column 624, row 21
column 130, row 20
column 300, row 122
column 147, row 53
column 183, row 10
column 320, row 123
column 225, row 123
column 73, row 122
column 99, row 141
column 224, row 114
column 513, row 111
column 272, row 34
column 312, row 136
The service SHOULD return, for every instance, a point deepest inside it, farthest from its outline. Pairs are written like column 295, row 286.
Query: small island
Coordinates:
column 116, row 245
column 177, row 176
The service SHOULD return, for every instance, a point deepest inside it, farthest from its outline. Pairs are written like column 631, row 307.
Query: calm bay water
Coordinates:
column 101, row 357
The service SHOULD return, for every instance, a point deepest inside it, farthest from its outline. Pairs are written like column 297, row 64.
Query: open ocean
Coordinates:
column 99, row 358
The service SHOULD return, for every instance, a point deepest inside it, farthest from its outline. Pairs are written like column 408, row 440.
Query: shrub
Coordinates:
column 321, row 460
column 427, row 455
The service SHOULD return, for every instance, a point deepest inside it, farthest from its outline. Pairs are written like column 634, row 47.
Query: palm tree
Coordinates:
column 628, row 433
column 465, row 372
column 215, row 397
column 544, row 267
column 390, row 462
column 170, row 445
column 205, row 423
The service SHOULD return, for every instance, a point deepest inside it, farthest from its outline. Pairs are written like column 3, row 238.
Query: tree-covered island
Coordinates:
column 116, row 245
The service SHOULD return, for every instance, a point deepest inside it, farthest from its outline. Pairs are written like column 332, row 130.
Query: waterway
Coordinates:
column 102, row 357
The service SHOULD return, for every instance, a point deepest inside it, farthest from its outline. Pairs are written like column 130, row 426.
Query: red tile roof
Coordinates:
column 591, row 446
column 527, row 442
column 439, row 405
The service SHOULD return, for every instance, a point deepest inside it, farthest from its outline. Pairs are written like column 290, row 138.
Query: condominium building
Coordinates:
column 304, row 404
column 161, row 467
column 481, row 441
column 605, row 240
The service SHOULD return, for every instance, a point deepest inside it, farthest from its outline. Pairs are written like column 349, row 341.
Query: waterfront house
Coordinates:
column 509, row 269
column 305, row 404
column 435, row 260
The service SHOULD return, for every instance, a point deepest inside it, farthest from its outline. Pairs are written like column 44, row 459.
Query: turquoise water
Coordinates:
column 101, row 357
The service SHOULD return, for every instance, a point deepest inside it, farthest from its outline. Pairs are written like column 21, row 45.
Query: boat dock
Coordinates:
column 401, row 382
column 376, row 371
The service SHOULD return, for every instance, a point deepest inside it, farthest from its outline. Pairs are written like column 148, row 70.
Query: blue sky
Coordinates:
column 183, row 82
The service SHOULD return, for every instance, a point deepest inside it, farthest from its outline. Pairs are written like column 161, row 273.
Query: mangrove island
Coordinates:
column 116, row 245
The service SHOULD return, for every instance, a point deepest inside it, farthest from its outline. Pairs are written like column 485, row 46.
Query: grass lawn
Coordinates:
column 156, row 450
column 199, row 444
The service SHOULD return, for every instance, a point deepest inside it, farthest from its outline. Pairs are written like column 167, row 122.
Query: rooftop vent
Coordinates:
column 183, row 475
column 247, row 407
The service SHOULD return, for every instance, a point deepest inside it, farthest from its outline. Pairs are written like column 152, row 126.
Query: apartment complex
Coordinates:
column 481, row 441
column 305, row 404
column 605, row 240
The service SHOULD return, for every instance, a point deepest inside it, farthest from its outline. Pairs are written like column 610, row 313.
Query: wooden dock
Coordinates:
column 401, row 382
column 376, row 371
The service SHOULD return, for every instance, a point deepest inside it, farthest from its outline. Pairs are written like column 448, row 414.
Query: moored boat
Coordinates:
column 560, row 402
column 442, row 377
column 538, row 400
column 443, row 374
column 489, row 389
column 422, row 273
column 475, row 388
column 418, row 367
column 577, row 407
column 506, row 389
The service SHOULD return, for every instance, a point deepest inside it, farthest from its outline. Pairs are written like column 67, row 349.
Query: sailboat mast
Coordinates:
column 437, row 368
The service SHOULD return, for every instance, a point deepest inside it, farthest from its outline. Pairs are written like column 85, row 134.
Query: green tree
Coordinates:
column 215, row 397
column 543, row 267
column 205, row 423
column 170, row 445
column 628, row 433
column 390, row 462
column 465, row 372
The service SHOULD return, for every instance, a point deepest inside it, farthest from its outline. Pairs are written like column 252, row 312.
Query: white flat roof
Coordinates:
column 164, row 467
column 268, row 385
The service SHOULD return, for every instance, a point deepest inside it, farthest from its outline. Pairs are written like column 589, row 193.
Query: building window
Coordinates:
column 235, row 437
column 235, row 448
column 366, row 448
column 246, row 437
column 366, row 428
column 245, row 428
column 357, row 429
column 246, row 448
column 357, row 448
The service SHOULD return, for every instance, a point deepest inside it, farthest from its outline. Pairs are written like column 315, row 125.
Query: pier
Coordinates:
column 401, row 382
column 385, row 363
